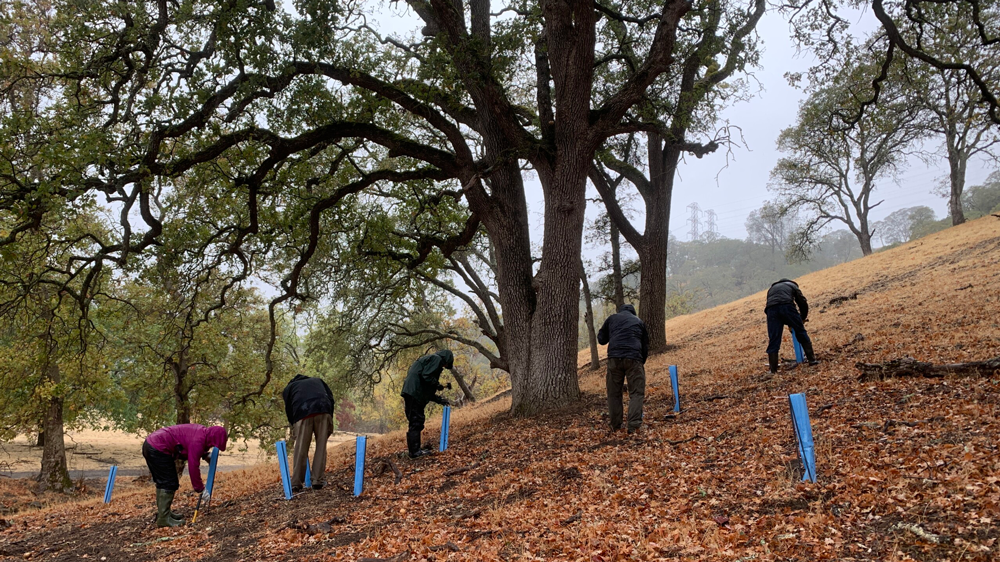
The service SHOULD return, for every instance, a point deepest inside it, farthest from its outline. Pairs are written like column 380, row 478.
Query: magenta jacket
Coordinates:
column 189, row 440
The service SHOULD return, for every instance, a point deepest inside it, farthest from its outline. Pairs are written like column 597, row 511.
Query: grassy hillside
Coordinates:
column 908, row 468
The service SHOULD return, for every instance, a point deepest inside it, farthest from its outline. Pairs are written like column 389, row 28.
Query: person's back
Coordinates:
column 306, row 396
column 628, row 346
column 625, row 335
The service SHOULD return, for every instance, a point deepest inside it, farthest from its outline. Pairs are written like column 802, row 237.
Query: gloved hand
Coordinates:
column 205, row 496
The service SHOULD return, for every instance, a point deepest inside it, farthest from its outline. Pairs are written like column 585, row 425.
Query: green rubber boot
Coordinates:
column 164, row 517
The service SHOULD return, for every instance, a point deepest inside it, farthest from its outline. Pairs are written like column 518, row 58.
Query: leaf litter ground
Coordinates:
column 908, row 468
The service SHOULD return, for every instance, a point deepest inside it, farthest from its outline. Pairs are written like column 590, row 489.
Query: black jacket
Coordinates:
column 423, row 376
column 625, row 335
column 306, row 396
column 787, row 291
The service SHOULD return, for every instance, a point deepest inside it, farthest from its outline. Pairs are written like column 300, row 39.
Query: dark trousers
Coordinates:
column 620, row 370
column 414, row 409
column 162, row 467
column 779, row 316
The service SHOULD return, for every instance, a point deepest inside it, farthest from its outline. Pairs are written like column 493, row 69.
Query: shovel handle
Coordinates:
column 195, row 518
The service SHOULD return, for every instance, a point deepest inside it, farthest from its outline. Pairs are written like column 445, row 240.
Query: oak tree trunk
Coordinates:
column 616, row 266
column 957, row 161
column 653, row 255
column 182, row 389
column 54, row 474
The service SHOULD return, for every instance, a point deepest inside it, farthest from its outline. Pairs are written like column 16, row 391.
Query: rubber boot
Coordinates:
column 413, row 443
column 163, row 515
column 807, row 347
column 772, row 361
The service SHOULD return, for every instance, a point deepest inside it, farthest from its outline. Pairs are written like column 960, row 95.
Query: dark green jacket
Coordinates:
column 422, row 378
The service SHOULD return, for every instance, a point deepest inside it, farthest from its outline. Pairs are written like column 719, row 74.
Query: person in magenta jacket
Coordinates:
column 190, row 442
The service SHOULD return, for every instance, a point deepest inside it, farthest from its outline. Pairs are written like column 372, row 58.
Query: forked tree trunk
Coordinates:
column 54, row 474
column 541, row 312
column 595, row 358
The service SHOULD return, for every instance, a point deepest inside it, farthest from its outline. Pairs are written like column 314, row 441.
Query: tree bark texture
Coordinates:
column 588, row 317
column 653, row 256
column 182, row 388
column 54, row 474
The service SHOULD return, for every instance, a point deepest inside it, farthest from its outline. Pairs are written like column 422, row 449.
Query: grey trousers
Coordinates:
column 303, row 431
column 618, row 371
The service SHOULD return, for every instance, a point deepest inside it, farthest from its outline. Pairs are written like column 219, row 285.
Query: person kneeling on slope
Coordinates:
column 190, row 442
column 780, row 310
column 419, row 388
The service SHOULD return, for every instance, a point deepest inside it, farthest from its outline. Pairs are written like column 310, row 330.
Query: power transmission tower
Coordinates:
column 694, row 220
column 711, row 226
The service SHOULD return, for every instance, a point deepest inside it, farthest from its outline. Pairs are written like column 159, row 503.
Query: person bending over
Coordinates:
column 419, row 388
column 309, row 409
column 190, row 442
column 780, row 309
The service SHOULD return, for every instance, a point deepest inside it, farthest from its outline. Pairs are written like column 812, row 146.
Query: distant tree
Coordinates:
column 588, row 317
column 923, row 222
column 771, row 225
column 832, row 170
column 841, row 245
column 951, row 100
column 983, row 199
column 897, row 227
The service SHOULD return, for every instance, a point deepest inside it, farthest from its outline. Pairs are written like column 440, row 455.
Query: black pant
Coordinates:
column 162, row 467
column 620, row 369
column 414, row 409
column 779, row 316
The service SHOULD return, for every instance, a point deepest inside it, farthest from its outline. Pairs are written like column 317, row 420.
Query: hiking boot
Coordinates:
column 296, row 489
column 772, row 362
column 163, row 515
column 317, row 486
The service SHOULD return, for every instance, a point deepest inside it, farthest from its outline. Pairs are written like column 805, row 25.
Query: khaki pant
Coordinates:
column 303, row 431
column 618, row 371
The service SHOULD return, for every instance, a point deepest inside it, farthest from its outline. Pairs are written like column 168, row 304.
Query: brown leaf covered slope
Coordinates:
column 908, row 468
